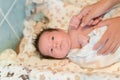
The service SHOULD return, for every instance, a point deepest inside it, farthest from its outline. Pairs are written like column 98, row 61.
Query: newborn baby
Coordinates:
column 57, row 43
column 75, row 44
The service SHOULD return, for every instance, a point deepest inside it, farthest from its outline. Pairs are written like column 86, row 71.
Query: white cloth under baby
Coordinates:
column 88, row 58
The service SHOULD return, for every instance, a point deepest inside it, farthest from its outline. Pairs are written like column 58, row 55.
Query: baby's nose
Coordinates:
column 56, row 45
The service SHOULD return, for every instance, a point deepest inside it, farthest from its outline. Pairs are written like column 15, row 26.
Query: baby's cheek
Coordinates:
column 60, row 55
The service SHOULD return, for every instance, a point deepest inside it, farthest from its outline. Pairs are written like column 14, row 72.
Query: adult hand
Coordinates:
column 92, row 14
column 110, row 41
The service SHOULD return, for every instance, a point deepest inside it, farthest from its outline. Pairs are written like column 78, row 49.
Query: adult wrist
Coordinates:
column 110, row 3
column 113, row 2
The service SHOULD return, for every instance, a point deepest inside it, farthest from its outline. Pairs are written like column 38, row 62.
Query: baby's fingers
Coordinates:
column 74, row 23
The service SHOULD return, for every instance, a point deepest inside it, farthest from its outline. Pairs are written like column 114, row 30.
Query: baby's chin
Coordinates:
column 61, row 56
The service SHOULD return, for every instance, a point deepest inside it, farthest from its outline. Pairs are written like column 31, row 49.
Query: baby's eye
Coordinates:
column 52, row 37
column 51, row 50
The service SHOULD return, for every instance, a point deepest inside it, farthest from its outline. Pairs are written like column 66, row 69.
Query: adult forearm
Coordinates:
column 112, row 2
column 118, row 1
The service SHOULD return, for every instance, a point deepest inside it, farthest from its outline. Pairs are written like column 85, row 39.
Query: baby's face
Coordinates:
column 56, row 44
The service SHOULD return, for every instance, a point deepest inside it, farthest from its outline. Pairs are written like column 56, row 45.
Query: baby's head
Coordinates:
column 53, row 43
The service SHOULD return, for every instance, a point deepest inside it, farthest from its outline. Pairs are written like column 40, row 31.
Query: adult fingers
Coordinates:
column 102, row 41
column 105, row 47
column 83, row 13
column 90, row 23
column 101, row 24
column 96, row 21
column 117, row 40
column 91, row 16
column 112, row 48
column 86, row 19
column 116, row 47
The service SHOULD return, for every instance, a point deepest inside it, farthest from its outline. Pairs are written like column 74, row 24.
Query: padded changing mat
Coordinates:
column 56, row 14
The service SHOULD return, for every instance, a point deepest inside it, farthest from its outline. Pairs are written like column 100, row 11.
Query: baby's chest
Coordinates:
column 74, row 39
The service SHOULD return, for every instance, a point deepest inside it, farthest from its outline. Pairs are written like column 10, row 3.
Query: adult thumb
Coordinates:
column 101, row 24
column 86, row 19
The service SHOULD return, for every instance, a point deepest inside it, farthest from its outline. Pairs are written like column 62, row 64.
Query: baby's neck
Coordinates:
column 74, row 40
column 78, row 38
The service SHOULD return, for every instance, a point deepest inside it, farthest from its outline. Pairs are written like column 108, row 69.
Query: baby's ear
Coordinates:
column 83, row 40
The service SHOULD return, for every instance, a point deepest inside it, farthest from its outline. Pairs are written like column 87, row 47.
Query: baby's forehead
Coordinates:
column 45, row 35
column 43, row 42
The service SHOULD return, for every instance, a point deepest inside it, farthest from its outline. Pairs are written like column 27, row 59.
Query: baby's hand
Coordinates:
column 74, row 23
column 76, row 20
